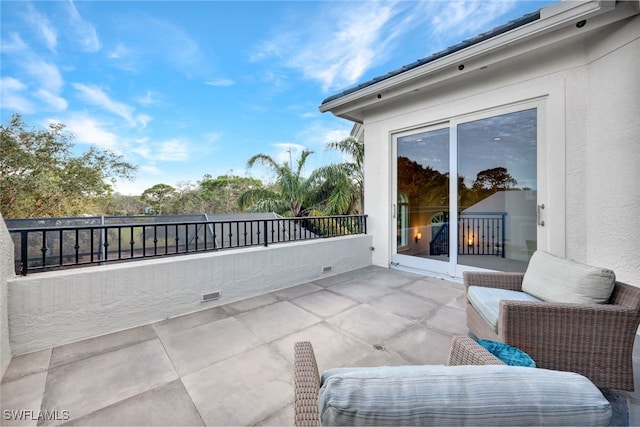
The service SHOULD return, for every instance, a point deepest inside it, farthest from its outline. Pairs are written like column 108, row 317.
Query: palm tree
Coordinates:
column 348, row 192
column 290, row 195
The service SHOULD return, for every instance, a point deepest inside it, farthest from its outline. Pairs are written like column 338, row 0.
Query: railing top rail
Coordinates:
column 483, row 213
column 160, row 224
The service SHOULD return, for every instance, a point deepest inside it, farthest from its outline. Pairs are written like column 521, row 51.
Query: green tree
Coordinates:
column 185, row 199
column 495, row 179
column 290, row 195
column 120, row 204
column 39, row 176
column 220, row 195
column 159, row 197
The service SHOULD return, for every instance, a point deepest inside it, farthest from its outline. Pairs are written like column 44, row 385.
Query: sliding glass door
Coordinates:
column 484, row 218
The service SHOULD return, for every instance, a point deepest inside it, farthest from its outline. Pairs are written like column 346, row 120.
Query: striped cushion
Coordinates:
column 555, row 279
column 459, row 395
column 486, row 301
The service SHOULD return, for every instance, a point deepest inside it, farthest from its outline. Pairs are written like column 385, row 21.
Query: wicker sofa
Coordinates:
column 593, row 340
column 462, row 393
column 464, row 351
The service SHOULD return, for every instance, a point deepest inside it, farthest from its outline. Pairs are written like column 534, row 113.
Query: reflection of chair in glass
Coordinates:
column 565, row 315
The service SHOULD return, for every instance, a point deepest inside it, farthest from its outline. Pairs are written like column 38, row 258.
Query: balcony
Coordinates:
column 231, row 364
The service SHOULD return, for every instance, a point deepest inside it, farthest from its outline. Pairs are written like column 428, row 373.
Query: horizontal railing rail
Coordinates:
column 47, row 248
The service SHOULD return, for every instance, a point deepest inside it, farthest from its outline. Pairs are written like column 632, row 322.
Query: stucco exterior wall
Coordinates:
column 588, row 97
column 54, row 308
column 6, row 272
column 612, row 199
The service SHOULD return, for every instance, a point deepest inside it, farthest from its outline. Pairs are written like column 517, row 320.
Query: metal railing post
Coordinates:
column 266, row 232
column 24, row 252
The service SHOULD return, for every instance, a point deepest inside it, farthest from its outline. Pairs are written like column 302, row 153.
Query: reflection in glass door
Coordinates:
column 497, row 190
column 423, row 194
column 491, row 221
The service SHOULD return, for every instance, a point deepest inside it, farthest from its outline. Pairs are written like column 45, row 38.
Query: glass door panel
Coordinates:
column 422, row 195
column 497, row 189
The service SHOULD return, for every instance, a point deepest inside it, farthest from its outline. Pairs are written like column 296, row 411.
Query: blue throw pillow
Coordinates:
column 508, row 354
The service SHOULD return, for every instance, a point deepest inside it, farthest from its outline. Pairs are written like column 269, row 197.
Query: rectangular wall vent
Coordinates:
column 325, row 269
column 212, row 296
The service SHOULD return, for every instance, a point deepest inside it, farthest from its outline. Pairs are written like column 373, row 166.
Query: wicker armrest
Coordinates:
column 306, row 385
column 465, row 351
column 595, row 341
column 509, row 281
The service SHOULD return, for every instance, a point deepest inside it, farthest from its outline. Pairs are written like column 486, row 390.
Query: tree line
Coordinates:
column 40, row 177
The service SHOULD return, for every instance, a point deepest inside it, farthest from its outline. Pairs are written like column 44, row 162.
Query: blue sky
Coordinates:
column 183, row 89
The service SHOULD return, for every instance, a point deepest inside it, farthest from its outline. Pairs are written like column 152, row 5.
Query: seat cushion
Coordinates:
column 555, row 279
column 459, row 395
column 486, row 301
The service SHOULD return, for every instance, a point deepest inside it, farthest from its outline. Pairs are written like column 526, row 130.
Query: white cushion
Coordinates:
column 555, row 279
column 459, row 395
column 486, row 301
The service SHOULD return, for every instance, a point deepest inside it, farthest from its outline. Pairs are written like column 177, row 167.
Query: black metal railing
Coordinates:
column 479, row 233
column 55, row 247
column 482, row 233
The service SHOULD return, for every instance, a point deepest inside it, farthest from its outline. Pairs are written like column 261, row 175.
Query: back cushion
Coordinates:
column 555, row 279
column 459, row 395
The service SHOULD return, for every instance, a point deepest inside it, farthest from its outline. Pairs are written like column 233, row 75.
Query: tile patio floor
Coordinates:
column 232, row 365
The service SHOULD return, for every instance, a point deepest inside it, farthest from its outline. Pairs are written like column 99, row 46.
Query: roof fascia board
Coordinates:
column 554, row 17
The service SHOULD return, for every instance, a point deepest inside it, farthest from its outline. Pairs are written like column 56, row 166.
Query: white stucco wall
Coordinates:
column 54, row 308
column 587, row 92
column 612, row 158
column 6, row 272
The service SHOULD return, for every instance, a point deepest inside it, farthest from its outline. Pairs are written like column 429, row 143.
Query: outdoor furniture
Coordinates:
column 475, row 389
column 464, row 351
column 594, row 337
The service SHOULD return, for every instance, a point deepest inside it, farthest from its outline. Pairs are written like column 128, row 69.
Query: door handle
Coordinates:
column 393, row 210
column 539, row 210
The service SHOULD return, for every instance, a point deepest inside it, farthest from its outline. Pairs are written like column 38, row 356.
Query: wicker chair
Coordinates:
column 464, row 351
column 595, row 341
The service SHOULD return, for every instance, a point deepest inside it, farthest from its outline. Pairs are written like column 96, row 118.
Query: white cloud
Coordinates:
column 119, row 52
column 55, row 102
column 220, row 82
column 85, row 32
column 341, row 45
column 15, row 44
column 149, row 98
column 98, row 97
column 47, row 75
column 88, row 130
column 178, row 48
column 338, row 45
column 151, row 170
column 212, row 137
column 172, row 150
column 124, row 58
column 43, row 27
column 457, row 18
column 12, row 93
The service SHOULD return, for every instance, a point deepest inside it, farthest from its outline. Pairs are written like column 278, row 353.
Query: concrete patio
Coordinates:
column 232, row 364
